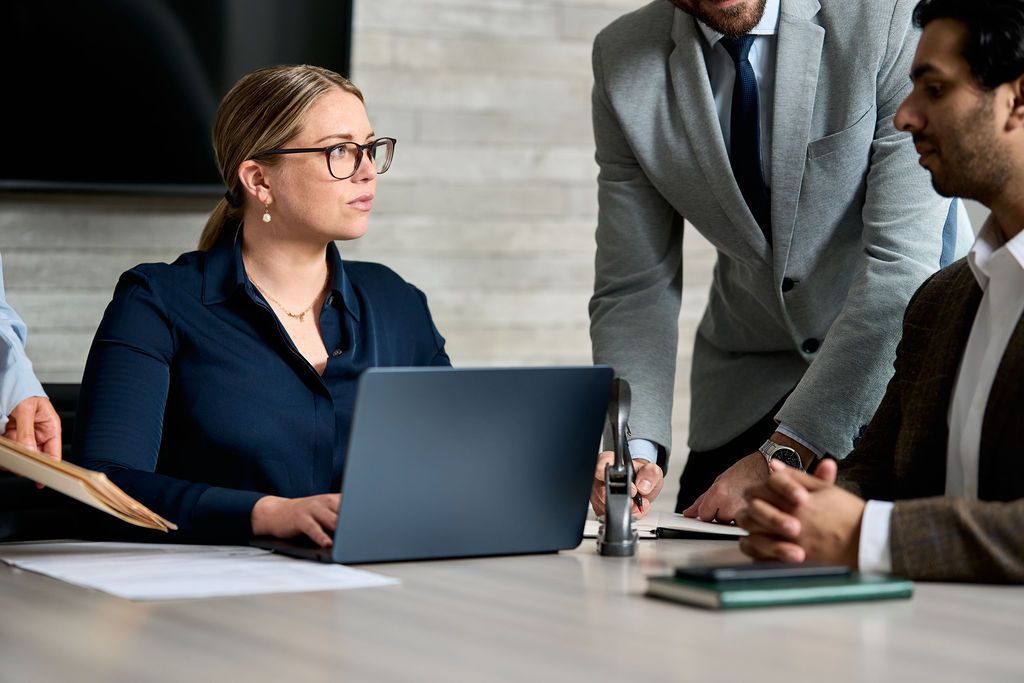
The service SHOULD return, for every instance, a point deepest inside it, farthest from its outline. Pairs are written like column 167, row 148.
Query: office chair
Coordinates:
column 27, row 513
column 64, row 398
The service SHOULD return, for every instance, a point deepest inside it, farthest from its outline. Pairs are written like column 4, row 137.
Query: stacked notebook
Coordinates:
column 91, row 488
column 755, row 592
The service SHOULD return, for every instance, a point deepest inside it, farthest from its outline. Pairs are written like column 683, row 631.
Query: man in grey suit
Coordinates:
column 767, row 125
column 940, row 464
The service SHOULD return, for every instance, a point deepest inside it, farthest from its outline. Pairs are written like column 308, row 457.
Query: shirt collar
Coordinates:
column 990, row 240
column 224, row 272
column 768, row 26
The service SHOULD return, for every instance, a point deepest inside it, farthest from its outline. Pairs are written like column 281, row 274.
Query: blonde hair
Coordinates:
column 264, row 110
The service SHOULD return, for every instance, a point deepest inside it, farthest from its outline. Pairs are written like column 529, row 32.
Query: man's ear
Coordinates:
column 254, row 181
column 1015, row 118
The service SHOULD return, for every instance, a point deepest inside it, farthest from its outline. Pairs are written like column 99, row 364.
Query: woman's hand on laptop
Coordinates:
column 314, row 516
column 647, row 479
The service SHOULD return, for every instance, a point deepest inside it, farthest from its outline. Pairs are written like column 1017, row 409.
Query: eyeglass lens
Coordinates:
column 343, row 157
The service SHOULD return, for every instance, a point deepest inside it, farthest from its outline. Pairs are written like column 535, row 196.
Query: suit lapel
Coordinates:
column 689, row 75
column 798, row 55
column 951, row 321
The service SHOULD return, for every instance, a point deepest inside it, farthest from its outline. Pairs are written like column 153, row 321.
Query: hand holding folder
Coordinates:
column 35, row 423
column 87, row 486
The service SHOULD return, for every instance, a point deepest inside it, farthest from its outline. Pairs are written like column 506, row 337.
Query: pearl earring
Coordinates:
column 266, row 213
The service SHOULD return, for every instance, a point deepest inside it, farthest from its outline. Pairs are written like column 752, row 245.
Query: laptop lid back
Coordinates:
column 449, row 462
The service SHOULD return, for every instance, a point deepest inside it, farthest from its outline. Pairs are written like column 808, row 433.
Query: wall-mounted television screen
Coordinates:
column 119, row 95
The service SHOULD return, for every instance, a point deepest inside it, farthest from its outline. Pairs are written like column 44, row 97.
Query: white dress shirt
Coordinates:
column 998, row 266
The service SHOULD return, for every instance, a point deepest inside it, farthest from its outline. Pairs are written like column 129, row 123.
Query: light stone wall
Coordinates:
column 490, row 206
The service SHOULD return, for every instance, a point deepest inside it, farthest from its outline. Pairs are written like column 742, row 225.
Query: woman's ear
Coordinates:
column 255, row 181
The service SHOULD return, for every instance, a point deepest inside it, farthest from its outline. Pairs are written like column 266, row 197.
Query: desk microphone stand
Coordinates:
column 617, row 536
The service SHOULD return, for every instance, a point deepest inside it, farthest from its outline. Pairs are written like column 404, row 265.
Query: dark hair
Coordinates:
column 994, row 48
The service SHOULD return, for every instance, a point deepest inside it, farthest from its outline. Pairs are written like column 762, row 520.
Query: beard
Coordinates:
column 730, row 21
column 971, row 164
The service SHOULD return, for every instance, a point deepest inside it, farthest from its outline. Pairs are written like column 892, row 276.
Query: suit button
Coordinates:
column 337, row 352
column 810, row 345
column 787, row 284
column 860, row 433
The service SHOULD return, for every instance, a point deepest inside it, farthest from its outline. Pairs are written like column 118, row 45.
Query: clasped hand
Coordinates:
column 794, row 517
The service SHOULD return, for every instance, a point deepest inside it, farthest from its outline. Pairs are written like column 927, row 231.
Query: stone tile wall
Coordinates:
column 490, row 206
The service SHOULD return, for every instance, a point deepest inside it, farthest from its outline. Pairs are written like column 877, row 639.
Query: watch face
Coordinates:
column 789, row 457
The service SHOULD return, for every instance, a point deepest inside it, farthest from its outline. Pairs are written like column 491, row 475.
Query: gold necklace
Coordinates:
column 299, row 316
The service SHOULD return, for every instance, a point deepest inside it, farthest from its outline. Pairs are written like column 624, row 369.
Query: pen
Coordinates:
column 638, row 499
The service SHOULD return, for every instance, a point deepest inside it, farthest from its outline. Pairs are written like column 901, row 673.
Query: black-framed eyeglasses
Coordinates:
column 344, row 158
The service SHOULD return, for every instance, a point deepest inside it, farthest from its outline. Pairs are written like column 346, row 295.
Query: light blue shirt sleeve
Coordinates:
column 17, row 380
column 874, row 553
column 642, row 449
column 786, row 431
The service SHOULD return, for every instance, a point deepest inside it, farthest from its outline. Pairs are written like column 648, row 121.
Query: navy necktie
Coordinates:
column 745, row 134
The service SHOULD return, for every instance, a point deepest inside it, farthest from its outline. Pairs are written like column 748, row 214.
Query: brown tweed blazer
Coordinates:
column 902, row 453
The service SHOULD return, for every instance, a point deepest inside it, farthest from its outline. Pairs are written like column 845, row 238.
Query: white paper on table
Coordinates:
column 646, row 526
column 146, row 571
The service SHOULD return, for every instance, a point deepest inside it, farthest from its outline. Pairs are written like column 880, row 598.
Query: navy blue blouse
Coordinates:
column 196, row 402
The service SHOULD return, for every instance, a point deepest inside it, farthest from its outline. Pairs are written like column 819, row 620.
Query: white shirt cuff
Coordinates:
column 874, row 554
column 642, row 449
column 787, row 431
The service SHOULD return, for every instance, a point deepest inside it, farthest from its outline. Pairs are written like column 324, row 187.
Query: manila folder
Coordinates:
column 87, row 486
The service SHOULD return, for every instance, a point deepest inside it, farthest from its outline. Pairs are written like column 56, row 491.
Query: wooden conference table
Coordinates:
column 574, row 616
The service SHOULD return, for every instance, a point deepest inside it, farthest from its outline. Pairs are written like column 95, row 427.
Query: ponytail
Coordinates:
column 223, row 217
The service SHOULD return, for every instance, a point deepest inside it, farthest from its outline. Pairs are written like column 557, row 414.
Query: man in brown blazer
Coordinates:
column 947, row 442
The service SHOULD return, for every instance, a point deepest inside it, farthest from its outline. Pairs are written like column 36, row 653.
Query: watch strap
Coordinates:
column 769, row 448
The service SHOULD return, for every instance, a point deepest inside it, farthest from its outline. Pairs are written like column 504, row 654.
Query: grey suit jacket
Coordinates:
column 856, row 223
column 903, row 453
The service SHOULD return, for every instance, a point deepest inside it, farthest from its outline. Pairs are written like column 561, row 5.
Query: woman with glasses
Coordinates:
column 219, row 388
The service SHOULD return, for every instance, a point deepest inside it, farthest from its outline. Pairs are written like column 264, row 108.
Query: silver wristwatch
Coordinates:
column 773, row 451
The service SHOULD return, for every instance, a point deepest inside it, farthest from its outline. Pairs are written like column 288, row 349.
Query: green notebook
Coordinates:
column 771, row 592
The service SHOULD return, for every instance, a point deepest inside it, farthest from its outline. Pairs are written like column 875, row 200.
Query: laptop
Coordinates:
column 453, row 462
